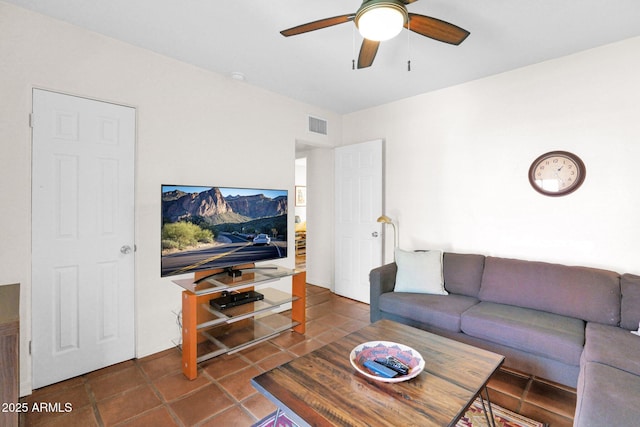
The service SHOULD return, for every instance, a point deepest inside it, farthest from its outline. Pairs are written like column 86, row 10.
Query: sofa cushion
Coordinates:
column 419, row 272
column 612, row 346
column 550, row 335
column 607, row 397
column 581, row 292
column 630, row 288
column 463, row 273
column 442, row 311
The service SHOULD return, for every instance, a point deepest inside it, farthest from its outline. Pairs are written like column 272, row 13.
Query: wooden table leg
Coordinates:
column 299, row 307
column 189, row 335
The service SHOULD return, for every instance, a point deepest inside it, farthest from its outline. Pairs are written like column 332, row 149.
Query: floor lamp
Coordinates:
column 386, row 220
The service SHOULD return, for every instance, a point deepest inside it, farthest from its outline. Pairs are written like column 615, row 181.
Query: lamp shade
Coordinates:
column 381, row 20
column 385, row 219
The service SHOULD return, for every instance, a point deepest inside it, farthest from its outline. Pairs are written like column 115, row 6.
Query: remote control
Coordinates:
column 398, row 363
column 379, row 369
column 393, row 363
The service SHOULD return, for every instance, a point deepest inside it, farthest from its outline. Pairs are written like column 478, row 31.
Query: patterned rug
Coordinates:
column 474, row 417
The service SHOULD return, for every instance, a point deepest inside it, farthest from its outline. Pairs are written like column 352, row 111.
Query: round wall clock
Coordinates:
column 557, row 173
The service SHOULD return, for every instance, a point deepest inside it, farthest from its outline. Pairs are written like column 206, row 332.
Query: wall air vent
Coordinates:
column 317, row 125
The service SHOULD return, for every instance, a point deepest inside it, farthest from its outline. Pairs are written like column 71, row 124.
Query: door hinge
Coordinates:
column 29, row 348
column 31, row 120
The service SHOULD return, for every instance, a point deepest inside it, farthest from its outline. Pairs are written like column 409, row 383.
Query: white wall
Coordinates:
column 457, row 161
column 190, row 122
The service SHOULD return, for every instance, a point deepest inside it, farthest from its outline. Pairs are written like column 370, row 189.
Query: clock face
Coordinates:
column 557, row 173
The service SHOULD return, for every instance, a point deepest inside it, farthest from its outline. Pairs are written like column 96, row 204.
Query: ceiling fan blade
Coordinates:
column 409, row 1
column 436, row 29
column 317, row 25
column 368, row 52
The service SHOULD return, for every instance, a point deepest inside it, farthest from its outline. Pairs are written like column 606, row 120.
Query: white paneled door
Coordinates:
column 358, row 204
column 82, row 235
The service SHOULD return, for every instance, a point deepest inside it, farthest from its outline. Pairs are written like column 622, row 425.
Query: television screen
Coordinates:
column 220, row 227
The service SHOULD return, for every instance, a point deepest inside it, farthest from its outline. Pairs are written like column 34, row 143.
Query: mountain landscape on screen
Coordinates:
column 179, row 205
column 216, row 227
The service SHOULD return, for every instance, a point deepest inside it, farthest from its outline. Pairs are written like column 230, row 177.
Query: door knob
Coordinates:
column 374, row 234
column 126, row 249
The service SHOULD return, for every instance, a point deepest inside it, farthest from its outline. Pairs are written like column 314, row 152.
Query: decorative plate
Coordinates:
column 381, row 349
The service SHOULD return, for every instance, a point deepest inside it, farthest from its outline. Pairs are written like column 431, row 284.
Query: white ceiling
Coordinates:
column 243, row 36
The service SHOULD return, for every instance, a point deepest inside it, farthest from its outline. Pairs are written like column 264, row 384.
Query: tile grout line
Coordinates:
column 524, row 394
column 93, row 402
column 159, row 395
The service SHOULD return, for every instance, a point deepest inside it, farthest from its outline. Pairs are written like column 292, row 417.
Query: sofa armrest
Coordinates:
column 381, row 280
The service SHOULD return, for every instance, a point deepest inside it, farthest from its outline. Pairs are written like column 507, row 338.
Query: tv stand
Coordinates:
column 208, row 332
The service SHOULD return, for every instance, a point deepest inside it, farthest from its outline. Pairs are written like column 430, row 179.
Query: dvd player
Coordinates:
column 228, row 300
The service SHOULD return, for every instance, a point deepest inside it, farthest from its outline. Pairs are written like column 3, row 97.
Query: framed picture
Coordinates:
column 301, row 196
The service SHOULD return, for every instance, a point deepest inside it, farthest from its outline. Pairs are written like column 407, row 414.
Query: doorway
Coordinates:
column 301, row 212
column 83, row 154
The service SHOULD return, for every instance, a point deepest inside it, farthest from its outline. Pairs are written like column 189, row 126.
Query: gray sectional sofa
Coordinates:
column 567, row 324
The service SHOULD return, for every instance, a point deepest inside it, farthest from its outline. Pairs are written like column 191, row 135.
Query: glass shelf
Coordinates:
column 273, row 298
column 224, row 338
column 224, row 282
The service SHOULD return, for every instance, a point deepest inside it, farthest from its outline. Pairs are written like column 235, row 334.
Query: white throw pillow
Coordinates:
column 419, row 272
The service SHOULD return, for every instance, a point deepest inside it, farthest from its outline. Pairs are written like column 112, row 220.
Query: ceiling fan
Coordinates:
column 379, row 20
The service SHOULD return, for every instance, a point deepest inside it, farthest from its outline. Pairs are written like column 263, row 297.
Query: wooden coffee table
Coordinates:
column 323, row 389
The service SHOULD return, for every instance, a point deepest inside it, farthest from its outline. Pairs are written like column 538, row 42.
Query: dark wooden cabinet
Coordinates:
column 9, row 354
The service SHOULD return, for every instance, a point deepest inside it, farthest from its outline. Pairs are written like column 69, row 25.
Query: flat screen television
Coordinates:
column 206, row 228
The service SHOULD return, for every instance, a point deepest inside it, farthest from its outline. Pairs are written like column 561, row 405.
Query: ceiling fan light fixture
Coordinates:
column 380, row 20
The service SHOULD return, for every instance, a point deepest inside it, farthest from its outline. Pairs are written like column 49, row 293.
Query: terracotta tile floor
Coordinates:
column 153, row 392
